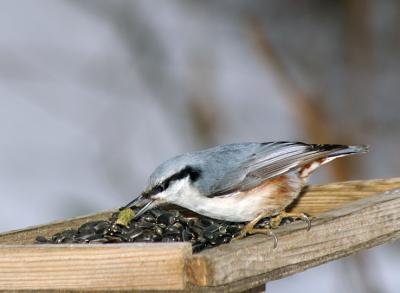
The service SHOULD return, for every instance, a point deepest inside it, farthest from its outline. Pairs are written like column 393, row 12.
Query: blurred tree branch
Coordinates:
column 307, row 109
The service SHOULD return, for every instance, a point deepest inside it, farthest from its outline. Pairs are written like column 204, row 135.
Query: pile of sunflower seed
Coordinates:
column 156, row 225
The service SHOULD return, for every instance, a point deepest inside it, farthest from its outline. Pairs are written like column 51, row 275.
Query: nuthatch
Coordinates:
column 241, row 182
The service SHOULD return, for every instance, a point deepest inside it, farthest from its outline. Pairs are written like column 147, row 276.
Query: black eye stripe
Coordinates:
column 193, row 174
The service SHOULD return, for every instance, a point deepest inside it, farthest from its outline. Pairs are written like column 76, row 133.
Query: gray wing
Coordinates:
column 268, row 160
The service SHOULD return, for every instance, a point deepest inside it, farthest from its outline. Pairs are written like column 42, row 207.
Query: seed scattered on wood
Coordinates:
column 156, row 225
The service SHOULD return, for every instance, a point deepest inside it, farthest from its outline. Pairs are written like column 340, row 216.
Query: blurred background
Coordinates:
column 95, row 94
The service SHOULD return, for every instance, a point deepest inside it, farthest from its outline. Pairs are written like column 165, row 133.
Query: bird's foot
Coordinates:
column 250, row 230
column 274, row 223
column 276, row 220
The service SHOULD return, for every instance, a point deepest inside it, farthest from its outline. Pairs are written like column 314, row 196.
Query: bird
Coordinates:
column 240, row 182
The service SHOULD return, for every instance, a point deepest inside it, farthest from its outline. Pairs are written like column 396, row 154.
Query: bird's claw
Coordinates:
column 251, row 230
column 276, row 221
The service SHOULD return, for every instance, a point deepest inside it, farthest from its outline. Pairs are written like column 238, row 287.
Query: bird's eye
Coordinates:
column 160, row 188
column 163, row 185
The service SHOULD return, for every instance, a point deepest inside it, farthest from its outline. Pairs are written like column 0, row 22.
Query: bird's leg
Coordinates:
column 249, row 228
column 276, row 220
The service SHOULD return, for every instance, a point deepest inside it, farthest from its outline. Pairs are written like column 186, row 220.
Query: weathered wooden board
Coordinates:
column 28, row 235
column 94, row 267
column 317, row 199
column 362, row 224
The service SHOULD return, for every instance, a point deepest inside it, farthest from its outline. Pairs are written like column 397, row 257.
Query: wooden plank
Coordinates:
column 28, row 235
column 93, row 267
column 317, row 199
column 253, row 261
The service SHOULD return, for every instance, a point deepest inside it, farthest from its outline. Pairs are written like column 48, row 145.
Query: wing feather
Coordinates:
column 272, row 159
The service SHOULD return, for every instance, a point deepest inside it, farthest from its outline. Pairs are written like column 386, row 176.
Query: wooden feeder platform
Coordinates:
column 351, row 216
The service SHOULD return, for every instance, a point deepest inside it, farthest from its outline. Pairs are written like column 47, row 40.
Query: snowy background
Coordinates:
column 95, row 94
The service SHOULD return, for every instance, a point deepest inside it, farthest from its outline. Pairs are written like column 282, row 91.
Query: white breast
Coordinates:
column 237, row 207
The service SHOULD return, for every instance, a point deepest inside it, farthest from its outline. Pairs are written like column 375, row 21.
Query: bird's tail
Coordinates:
column 335, row 151
column 329, row 152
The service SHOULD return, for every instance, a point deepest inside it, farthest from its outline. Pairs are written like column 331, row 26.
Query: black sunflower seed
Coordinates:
column 149, row 218
column 156, row 225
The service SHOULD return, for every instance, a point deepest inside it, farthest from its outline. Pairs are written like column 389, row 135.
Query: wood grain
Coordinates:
column 94, row 267
column 29, row 234
column 362, row 224
column 317, row 199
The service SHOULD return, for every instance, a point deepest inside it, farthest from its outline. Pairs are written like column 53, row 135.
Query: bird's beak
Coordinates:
column 134, row 202
column 140, row 201
column 144, row 209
